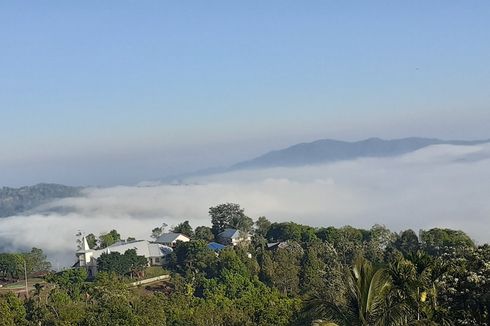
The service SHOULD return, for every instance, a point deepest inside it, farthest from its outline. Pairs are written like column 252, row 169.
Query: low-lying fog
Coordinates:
column 443, row 186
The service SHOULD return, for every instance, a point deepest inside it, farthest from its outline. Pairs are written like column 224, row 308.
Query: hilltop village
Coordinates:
column 157, row 251
column 244, row 272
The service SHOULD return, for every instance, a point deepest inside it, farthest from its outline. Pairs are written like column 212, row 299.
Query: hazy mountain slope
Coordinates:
column 17, row 200
column 327, row 150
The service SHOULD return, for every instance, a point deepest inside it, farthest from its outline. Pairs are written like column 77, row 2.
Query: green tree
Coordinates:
column 291, row 231
column 262, row 226
column 109, row 239
column 367, row 290
column 407, row 242
column 380, row 238
column 463, row 287
column 229, row 216
column 242, row 223
column 437, row 241
column 192, row 257
column 128, row 263
column 36, row 261
column 347, row 241
column 73, row 281
column 282, row 267
column 137, row 264
column 184, row 228
column 313, row 269
column 11, row 265
column 113, row 262
column 204, row 233
column 12, row 311
column 91, row 241
column 110, row 302
column 156, row 232
column 63, row 309
column 149, row 310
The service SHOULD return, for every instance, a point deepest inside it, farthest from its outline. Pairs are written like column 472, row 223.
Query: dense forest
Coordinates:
column 288, row 274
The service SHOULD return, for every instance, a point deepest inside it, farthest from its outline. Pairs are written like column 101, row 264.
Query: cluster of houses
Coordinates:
column 155, row 251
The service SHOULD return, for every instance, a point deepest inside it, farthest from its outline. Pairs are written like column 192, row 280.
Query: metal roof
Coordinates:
column 142, row 247
column 170, row 237
column 215, row 246
column 230, row 234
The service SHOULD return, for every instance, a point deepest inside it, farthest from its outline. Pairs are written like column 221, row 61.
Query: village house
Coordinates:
column 233, row 237
column 154, row 252
column 170, row 239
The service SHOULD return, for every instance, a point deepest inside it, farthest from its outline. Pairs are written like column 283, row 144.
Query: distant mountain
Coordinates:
column 328, row 150
column 17, row 200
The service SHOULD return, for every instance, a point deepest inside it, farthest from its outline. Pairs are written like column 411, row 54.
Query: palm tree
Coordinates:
column 414, row 289
column 366, row 300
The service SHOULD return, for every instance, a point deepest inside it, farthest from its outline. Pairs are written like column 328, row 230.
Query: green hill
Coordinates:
column 17, row 200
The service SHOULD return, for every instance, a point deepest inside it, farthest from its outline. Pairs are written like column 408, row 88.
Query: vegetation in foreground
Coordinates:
column 297, row 275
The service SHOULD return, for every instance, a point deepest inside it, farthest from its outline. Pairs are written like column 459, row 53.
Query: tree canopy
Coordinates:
column 289, row 274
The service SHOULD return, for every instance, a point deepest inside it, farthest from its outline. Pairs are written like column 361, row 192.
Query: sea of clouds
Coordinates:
column 438, row 186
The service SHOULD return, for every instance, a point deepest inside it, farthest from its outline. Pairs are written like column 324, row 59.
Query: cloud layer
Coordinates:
column 445, row 186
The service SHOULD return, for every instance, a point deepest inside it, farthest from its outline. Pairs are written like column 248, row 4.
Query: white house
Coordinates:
column 170, row 239
column 154, row 252
column 233, row 237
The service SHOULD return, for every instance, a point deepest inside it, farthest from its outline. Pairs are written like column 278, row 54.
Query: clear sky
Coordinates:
column 108, row 92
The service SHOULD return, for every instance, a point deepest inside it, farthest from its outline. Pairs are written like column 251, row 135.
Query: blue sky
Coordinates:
column 108, row 92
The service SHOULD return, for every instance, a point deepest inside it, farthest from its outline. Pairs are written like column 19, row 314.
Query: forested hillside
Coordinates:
column 288, row 274
column 17, row 200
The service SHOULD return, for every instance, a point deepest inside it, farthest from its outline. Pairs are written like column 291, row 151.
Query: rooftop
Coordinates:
column 142, row 247
column 170, row 237
column 230, row 234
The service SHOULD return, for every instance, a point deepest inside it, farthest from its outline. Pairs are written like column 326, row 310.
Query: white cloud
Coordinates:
column 445, row 186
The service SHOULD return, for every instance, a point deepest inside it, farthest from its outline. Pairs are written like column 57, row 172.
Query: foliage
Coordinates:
column 229, row 216
column 262, row 226
column 367, row 289
column 308, row 276
column 281, row 268
column 71, row 280
column 407, row 242
column 184, row 228
column 91, row 241
column 128, row 263
column 109, row 239
column 12, row 310
column 438, row 240
column 156, row 232
column 192, row 257
column 203, row 233
column 290, row 231
column 12, row 264
column 36, row 261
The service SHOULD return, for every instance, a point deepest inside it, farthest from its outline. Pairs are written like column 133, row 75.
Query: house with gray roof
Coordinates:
column 170, row 239
column 233, row 237
column 154, row 252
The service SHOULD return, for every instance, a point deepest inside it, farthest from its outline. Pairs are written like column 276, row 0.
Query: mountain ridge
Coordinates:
column 19, row 200
column 301, row 153
column 331, row 150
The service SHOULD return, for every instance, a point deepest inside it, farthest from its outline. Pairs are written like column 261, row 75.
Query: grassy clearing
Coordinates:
column 154, row 271
column 20, row 284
